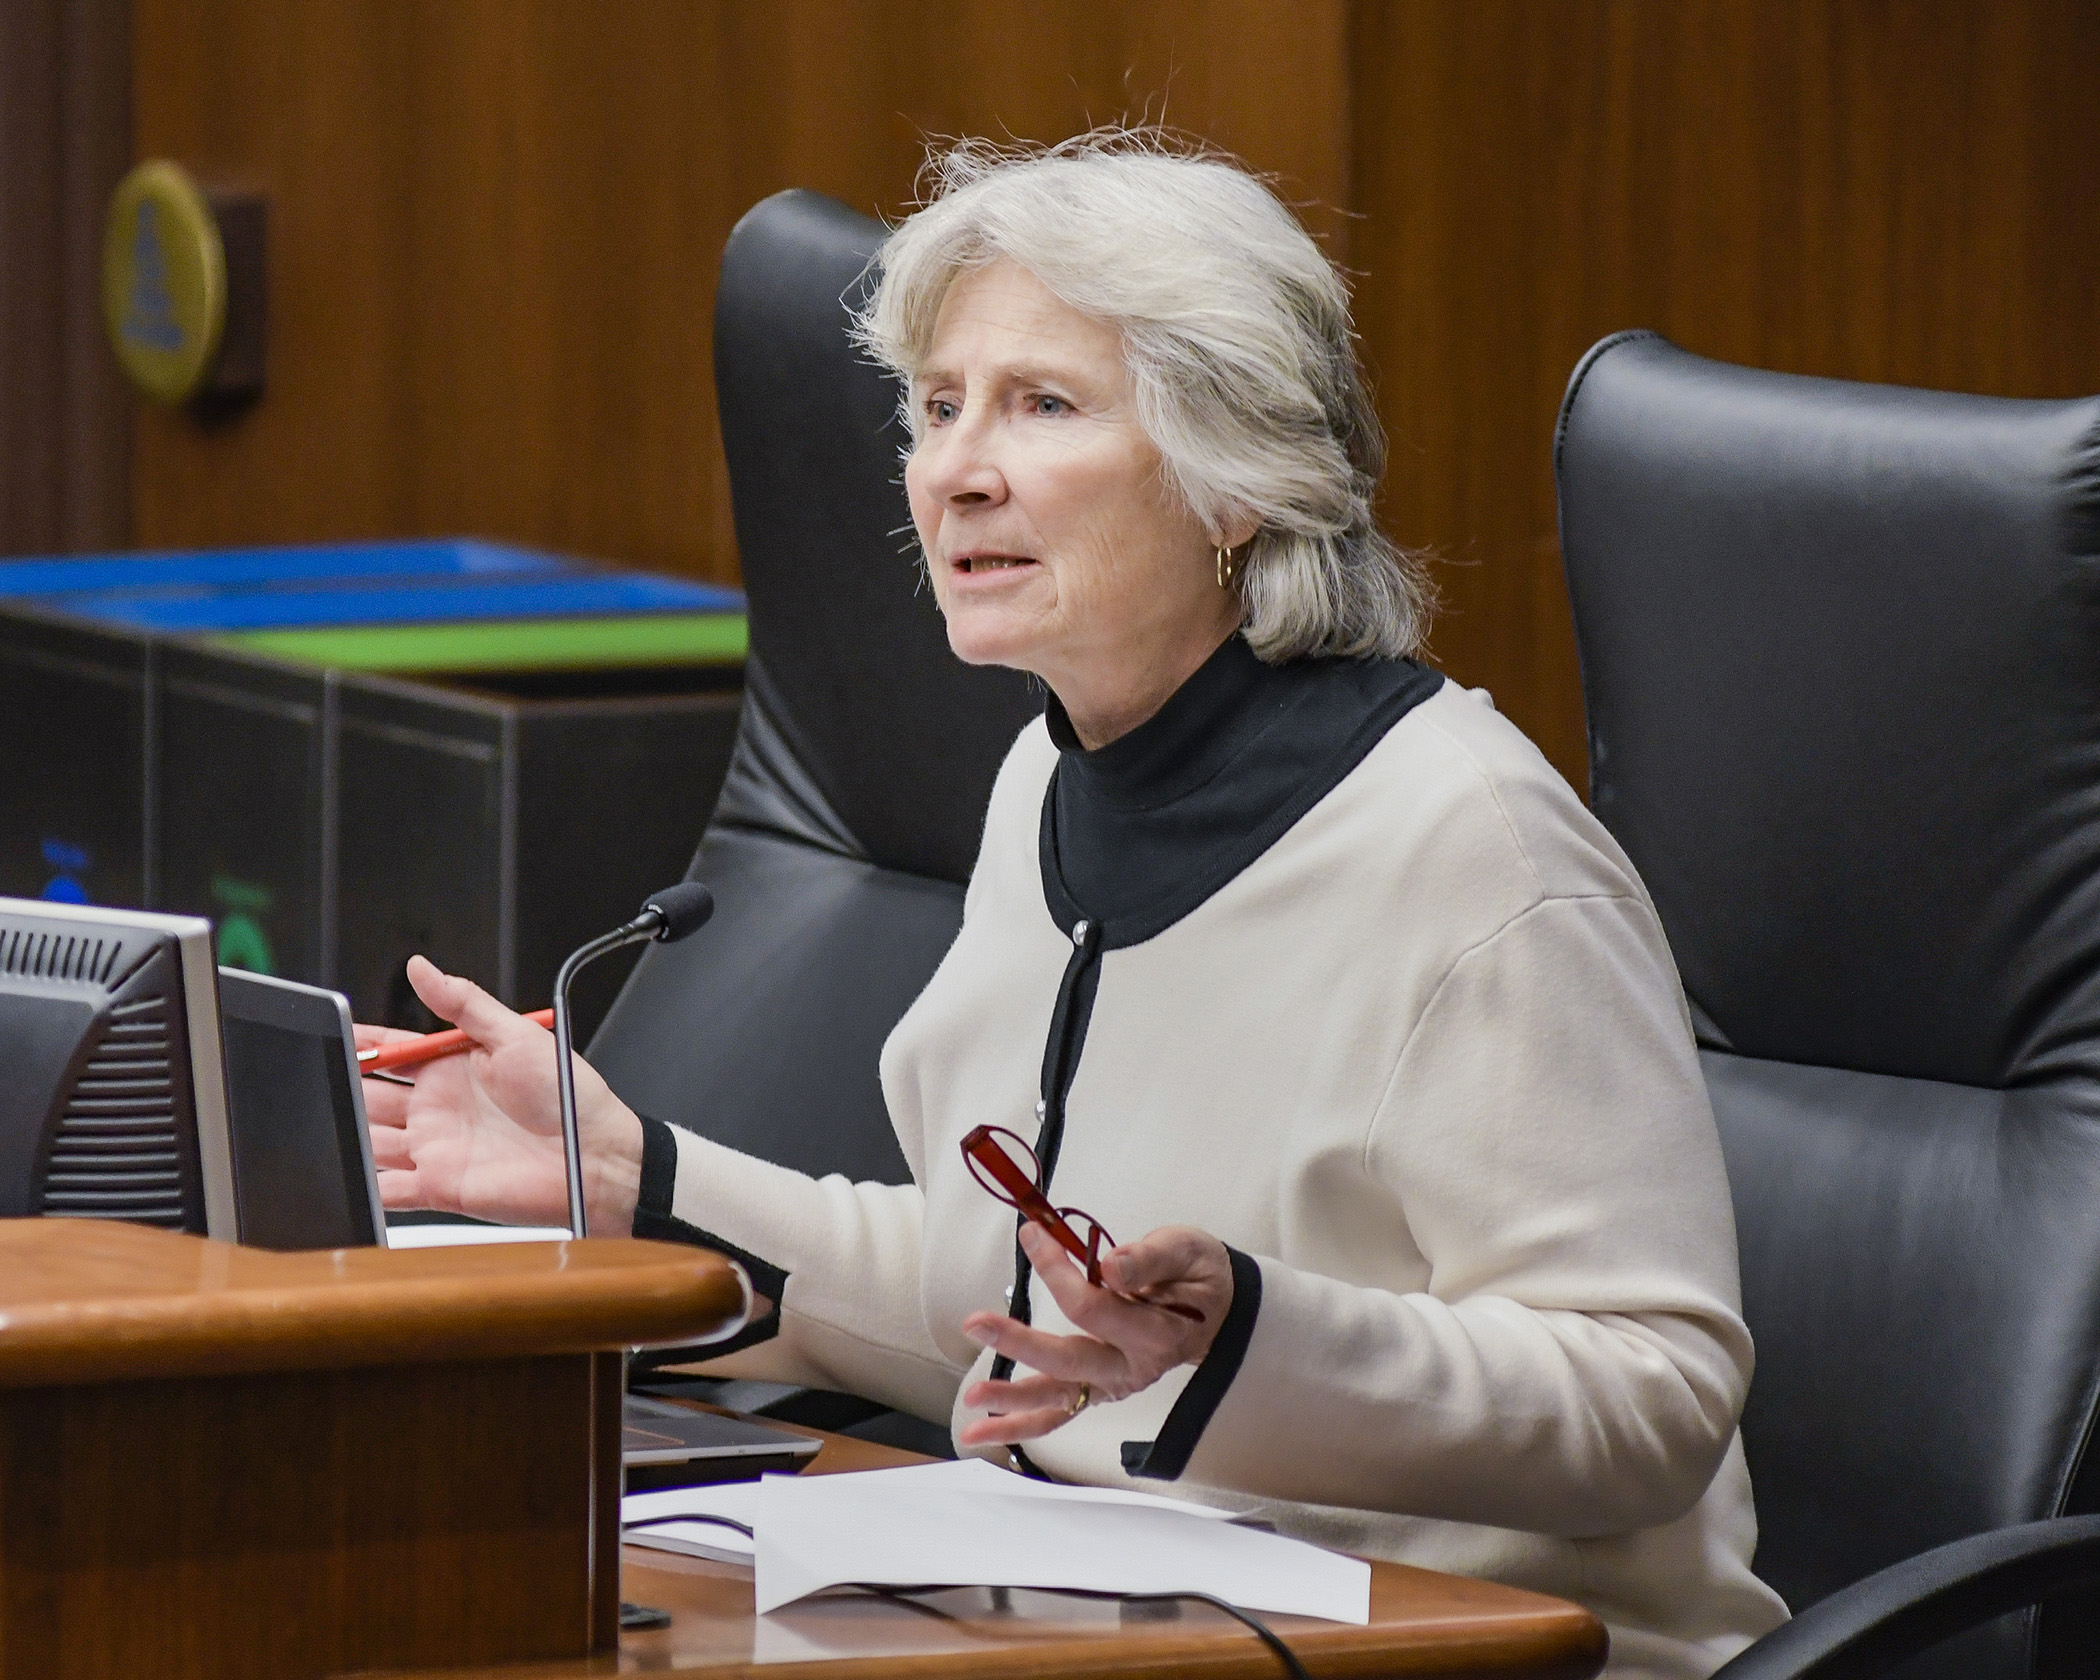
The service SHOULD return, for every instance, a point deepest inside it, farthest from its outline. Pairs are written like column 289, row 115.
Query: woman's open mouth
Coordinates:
column 980, row 565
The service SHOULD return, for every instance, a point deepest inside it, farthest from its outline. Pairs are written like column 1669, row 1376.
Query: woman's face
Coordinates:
column 1053, row 542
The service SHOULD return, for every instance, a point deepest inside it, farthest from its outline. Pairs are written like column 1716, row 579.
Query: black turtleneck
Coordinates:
column 1138, row 833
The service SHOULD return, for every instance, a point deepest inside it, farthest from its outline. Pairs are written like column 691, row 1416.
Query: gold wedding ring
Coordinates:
column 1086, row 1399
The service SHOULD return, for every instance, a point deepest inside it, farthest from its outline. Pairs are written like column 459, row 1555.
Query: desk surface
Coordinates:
column 1422, row 1623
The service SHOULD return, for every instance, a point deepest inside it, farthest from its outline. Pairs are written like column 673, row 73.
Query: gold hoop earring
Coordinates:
column 1224, row 568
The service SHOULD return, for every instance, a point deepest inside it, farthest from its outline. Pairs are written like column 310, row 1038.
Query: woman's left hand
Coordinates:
column 1128, row 1345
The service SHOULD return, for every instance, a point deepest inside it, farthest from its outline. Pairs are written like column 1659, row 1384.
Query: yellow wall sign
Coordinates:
column 163, row 281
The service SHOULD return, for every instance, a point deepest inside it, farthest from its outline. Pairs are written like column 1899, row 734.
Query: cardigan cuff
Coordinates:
column 659, row 1173
column 653, row 1219
column 1166, row 1458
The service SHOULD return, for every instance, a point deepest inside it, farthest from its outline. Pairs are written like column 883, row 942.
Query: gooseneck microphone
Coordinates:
column 665, row 916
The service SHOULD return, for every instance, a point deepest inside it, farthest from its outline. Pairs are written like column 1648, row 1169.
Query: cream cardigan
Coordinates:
column 1425, row 1063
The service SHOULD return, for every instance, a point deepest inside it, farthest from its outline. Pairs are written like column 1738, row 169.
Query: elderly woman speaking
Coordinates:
column 1281, row 950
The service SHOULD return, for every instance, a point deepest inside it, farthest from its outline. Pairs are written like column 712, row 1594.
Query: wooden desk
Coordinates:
column 1422, row 1624
column 225, row 1463
column 219, row 1462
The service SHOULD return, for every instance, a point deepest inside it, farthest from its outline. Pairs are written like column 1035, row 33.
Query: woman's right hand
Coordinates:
column 479, row 1133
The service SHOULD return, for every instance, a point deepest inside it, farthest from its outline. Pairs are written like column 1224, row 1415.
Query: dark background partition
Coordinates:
column 332, row 823
column 244, row 774
column 495, row 834
column 74, row 770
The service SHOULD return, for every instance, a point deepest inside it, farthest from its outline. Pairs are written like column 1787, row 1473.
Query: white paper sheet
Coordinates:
column 969, row 1523
column 461, row 1236
column 980, row 1476
column 739, row 1500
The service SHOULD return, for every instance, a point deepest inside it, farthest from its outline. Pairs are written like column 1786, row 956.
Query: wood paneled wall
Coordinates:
column 496, row 226
column 497, row 223
column 65, row 421
column 1897, row 190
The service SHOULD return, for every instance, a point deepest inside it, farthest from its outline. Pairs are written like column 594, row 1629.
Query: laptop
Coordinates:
column 303, row 1179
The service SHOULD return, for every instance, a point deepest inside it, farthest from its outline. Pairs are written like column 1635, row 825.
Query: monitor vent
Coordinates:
column 116, row 1154
column 42, row 955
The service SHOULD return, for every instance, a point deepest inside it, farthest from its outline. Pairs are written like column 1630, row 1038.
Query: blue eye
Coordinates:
column 1044, row 404
column 940, row 411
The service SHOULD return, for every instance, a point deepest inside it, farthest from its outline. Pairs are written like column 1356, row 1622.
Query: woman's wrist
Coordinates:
column 613, row 1169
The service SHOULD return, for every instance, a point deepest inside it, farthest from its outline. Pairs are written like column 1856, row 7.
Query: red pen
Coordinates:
column 414, row 1052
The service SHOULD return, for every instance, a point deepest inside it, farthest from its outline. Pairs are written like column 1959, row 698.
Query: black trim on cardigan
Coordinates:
column 659, row 1172
column 1068, row 1023
column 654, row 1219
column 1166, row 1458
column 1147, row 828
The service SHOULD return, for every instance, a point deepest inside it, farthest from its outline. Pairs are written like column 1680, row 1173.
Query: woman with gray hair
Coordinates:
column 1280, row 948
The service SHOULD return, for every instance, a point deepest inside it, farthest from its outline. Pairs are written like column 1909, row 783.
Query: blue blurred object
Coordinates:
column 330, row 584
column 220, row 568
column 407, row 600
column 71, row 862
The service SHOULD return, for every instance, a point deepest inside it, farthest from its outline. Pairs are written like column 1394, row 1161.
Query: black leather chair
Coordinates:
column 1841, row 655
column 855, row 798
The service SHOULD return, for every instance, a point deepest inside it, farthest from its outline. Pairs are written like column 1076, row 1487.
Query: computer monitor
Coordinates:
column 302, row 1160
column 112, row 1092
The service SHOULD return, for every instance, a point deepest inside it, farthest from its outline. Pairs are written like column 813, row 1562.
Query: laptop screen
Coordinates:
column 302, row 1164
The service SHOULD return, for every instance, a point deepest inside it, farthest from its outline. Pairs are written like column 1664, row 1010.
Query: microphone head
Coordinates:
column 682, row 909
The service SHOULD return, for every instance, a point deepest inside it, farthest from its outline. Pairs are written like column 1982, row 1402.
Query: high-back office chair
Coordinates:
column 1841, row 655
column 855, row 799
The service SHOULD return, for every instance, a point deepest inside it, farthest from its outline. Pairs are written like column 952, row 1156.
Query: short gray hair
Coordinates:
column 1236, row 331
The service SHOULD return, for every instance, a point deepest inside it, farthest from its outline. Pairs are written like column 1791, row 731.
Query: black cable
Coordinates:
column 640, row 1617
column 903, row 1599
column 1246, row 1618
column 1259, row 1628
column 658, row 1522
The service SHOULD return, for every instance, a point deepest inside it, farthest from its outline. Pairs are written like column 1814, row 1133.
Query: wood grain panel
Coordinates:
column 289, row 1526
column 65, row 428
column 496, row 223
column 1870, row 189
column 219, row 1461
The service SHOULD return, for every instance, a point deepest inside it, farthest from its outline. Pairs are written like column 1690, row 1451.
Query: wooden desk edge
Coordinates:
column 1548, row 1640
column 131, row 1304
column 1562, row 1642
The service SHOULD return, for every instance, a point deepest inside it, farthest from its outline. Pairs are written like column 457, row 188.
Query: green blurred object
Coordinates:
column 552, row 644
column 242, row 942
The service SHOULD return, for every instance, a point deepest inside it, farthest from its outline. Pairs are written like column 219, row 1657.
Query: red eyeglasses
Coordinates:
column 1003, row 1163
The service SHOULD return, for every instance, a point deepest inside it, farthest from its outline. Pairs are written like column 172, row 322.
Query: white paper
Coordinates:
column 980, row 1476
column 461, row 1236
column 971, row 1524
column 739, row 1500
